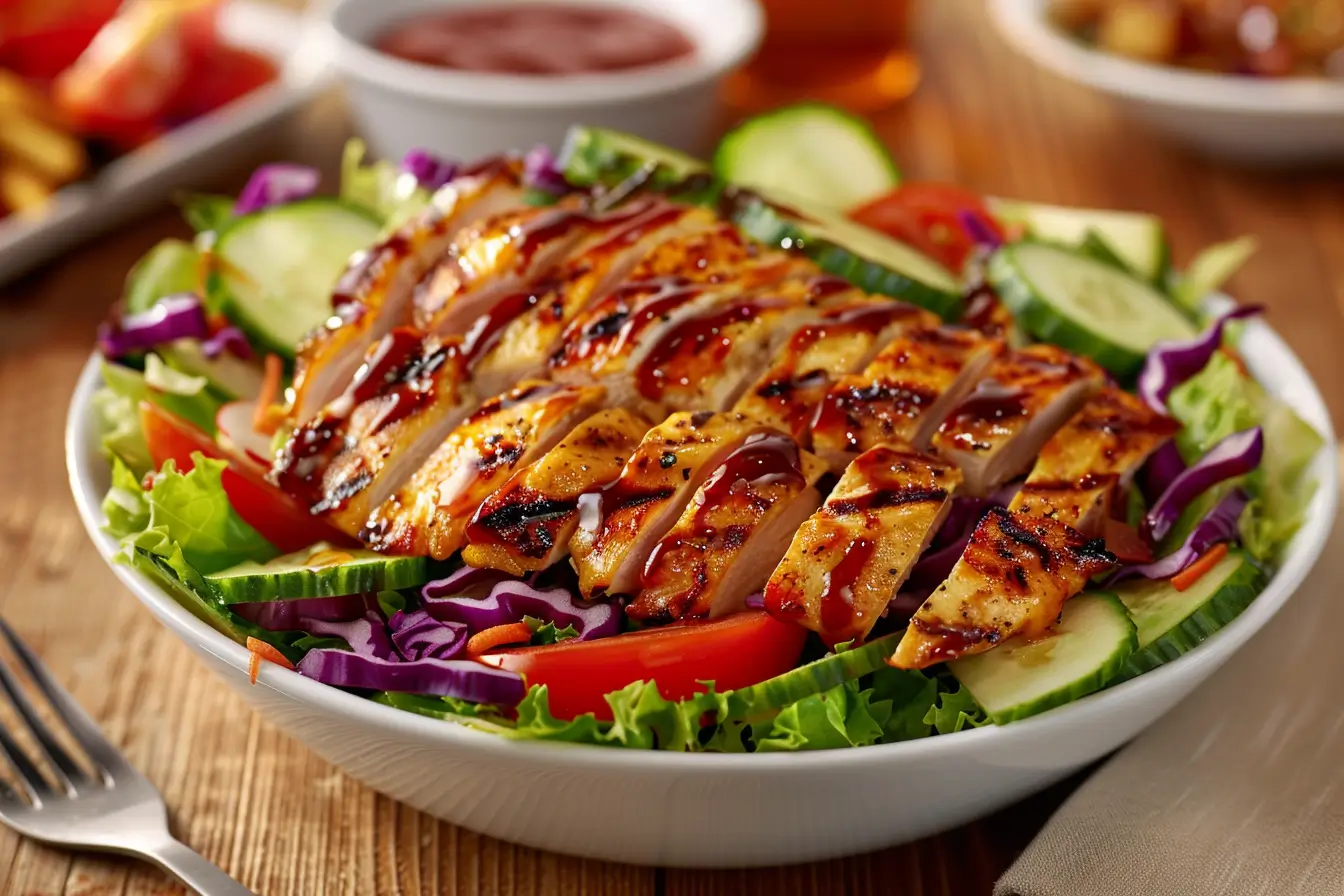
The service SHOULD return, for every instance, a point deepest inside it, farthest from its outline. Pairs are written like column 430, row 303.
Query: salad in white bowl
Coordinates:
column 771, row 454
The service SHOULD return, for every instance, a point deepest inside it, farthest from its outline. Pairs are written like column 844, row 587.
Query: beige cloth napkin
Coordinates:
column 1239, row 790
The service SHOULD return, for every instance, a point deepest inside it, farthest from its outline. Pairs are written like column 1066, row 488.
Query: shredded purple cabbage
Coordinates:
column 1171, row 363
column 542, row 172
column 456, row 599
column 418, row 635
column 1236, row 455
column 463, row 679
column 286, row 615
column 367, row 636
column 1162, row 468
column 276, row 184
column 429, row 170
column 178, row 316
column 975, row 227
column 754, row 601
column 1220, row 525
column 228, row 339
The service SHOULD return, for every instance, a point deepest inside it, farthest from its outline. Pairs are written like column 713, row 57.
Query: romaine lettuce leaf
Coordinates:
column 955, row 711
column 1221, row 400
column 124, row 504
column 544, row 632
column 172, row 266
column 118, row 424
column 911, row 696
column 206, row 212
column 190, row 512
column 1210, row 269
column 381, row 187
column 184, row 396
column 841, row 717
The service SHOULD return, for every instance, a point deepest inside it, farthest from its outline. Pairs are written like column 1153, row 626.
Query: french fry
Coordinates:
column 22, row 191
column 52, row 153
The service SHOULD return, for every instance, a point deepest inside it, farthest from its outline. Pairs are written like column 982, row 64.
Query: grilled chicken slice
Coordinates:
column 429, row 514
column 1097, row 450
column 710, row 357
column 375, row 293
column 517, row 336
column 527, row 524
column 994, row 432
column 404, row 400
column 507, row 258
column 843, row 340
column 849, row 559
column 620, row 524
column 732, row 533
column 902, row 396
column 1012, row 581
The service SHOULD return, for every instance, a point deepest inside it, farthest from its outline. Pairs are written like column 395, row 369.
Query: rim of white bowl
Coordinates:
column 1024, row 24
column 722, row 42
column 1269, row 358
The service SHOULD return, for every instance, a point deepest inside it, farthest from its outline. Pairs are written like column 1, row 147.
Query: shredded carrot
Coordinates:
column 1195, row 571
column 497, row 636
column 1235, row 357
column 260, row 650
column 329, row 558
column 270, row 391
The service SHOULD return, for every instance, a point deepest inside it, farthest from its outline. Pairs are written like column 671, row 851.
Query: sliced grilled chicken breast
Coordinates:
column 994, row 432
column 709, row 358
column 1012, row 581
column 843, row 340
column 527, row 524
column 620, row 524
column 1097, row 450
column 849, row 559
column 515, row 339
column 903, row 395
column 375, row 293
column 732, row 533
column 403, row 401
column 429, row 514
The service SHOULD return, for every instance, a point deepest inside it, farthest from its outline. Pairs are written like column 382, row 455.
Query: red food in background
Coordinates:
column 40, row 38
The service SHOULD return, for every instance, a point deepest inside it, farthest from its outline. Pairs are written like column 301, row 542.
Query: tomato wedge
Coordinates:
column 733, row 652
column 927, row 216
column 1125, row 542
column 261, row 505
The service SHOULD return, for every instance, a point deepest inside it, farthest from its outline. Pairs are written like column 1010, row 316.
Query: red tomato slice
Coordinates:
column 733, row 652
column 1125, row 542
column 217, row 79
column 261, row 505
column 927, row 217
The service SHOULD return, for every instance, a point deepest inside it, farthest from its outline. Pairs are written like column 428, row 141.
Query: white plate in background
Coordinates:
column 184, row 156
column 1260, row 121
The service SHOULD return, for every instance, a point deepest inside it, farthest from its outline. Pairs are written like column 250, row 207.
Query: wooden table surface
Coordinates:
column 285, row 822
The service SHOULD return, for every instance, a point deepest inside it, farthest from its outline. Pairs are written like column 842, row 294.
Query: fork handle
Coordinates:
column 194, row 870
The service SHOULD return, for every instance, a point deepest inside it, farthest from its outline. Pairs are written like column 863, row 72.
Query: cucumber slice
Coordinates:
column 1088, row 648
column 321, row 571
column 1136, row 239
column 825, row 156
column 763, row 700
column 1084, row 305
column 276, row 267
column 598, row 156
column 227, row 374
column 1172, row 622
column 864, row 257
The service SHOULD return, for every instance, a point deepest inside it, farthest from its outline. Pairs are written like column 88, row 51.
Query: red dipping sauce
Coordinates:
column 536, row 39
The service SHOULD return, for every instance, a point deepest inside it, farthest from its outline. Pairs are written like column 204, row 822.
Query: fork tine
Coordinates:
column 103, row 754
column 34, row 785
column 70, row 774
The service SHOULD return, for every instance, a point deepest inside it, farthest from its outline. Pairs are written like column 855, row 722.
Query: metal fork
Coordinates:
column 115, row 809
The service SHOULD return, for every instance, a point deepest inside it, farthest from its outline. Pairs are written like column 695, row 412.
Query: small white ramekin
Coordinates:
column 402, row 105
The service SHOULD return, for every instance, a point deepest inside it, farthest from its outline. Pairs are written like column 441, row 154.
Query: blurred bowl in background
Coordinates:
column 401, row 105
column 1275, row 122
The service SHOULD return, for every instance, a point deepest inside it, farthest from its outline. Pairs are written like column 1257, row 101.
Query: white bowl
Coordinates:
column 1270, row 122
column 708, row 809
column 403, row 105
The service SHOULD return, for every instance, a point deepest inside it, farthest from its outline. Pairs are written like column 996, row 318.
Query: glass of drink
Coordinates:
column 855, row 53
